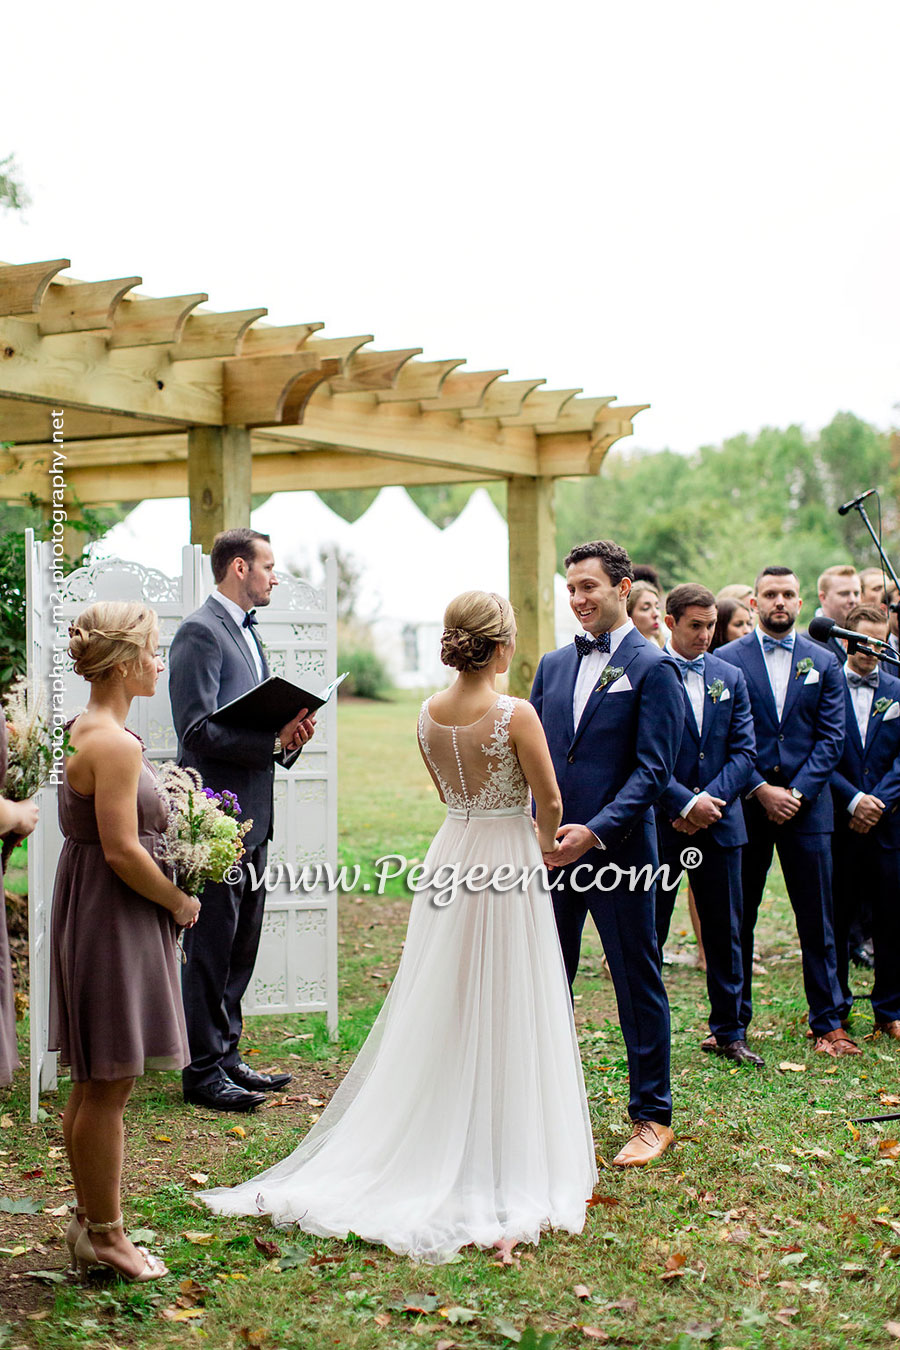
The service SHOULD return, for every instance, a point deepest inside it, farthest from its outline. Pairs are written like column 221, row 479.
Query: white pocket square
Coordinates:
column 620, row 685
column 725, row 695
column 812, row 676
column 892, row 712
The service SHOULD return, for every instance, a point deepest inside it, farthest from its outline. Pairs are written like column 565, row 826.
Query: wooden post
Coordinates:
column 532, row 563
column 219, row 468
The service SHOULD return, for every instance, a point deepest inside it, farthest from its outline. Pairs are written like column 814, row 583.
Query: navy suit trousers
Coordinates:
column 806, row 863
column 625, row 920
column 863, row 867
column 231, row 917
column 716, row 884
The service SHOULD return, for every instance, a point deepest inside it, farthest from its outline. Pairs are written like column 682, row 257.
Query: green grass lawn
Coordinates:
column 773, row 1222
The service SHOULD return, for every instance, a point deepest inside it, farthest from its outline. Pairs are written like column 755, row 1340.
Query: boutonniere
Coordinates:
column 610, row 674
column 804, row 667
column 716, row 690
column 881, row 706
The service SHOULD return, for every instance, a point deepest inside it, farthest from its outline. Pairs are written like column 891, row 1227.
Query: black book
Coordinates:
column 272, row 704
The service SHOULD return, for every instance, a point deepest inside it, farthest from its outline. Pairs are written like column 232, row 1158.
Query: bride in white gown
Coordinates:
column 463, row 1119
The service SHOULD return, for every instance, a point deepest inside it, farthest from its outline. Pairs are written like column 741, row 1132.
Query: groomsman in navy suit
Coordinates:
column 866, row 844
column 838, row 589
column 703, row 800
column 797, row 700
column 612, row 709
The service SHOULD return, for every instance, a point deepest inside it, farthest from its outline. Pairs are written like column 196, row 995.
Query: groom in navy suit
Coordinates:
column 797, row 698
column 866, row 844
column 612, row 710
column 703, row 800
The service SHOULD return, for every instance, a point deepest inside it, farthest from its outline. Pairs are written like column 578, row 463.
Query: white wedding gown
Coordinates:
column 464, row 1118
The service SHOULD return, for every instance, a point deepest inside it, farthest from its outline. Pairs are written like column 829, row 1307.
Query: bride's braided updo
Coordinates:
column 110, row 634
column 475, row 623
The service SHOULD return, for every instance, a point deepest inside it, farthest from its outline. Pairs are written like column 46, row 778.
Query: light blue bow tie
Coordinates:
column 770, row 643
column 696, row 666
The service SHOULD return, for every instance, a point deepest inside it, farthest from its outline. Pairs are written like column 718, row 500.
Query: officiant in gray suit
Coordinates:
column 215, row 657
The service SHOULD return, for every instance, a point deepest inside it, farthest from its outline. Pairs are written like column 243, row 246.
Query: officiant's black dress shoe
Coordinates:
column 251, row 1081
column 740, row 1052
column 223, row 1095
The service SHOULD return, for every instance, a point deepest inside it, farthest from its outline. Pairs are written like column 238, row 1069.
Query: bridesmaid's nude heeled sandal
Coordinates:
column 73, row 1233
column 87, row 1258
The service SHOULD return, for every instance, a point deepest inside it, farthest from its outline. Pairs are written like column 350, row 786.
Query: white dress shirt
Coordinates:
column 235, row 612
column 591, row 667
column 693, row 687
column 778, row 665
column 861, row 697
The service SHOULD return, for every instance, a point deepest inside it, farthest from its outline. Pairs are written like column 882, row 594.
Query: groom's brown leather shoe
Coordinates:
column 648, row 1140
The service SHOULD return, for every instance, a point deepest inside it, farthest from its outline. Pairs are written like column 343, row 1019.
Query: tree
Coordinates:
column 13, row 196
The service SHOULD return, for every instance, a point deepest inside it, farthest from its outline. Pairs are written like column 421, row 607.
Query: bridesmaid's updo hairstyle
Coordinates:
column 110, row 634
column 475, row 624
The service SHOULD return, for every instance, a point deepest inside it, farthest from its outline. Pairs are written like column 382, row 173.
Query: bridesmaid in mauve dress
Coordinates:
column 19, row 819
column 115, row 1000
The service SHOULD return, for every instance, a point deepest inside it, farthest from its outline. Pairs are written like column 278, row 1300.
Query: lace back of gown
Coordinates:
column 476, row 765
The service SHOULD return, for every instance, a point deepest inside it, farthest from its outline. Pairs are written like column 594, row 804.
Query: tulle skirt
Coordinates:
column 464, row 1118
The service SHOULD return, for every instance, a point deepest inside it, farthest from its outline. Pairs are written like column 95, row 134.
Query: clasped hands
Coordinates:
column 869, row 811
column 705, row 811
column 778, row 803
column 297, row 732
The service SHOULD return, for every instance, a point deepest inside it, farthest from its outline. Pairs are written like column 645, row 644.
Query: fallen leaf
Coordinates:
column 702, row 1331
column 59, row 1213
column 889, row 1148
column 199, row 1239
column 180, row 1314
column 676, row 1261
column 382, row 1319
column 6, row 1122
column 889, row 1099
column 237, row 1130
column 457, row 1315
column 786, row 1066
column 581, row 1291
column 893, row 1329
column 594, row 1333
column 793, row 1258
column 33, row 1175
column 854, row 1132
column 854, row 1269
column 144, row 1235
column 201, row 1178
column 609, row 1200
column 46, row 1276
column 256, row 1338
column 162, row 1138
column 784, row 1315
column 269, row 1250
column 445, row 1345
column 23, row 1206
column 417, row 1303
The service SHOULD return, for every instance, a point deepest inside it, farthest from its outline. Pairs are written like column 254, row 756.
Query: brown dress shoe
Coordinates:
column 891, row 1029
column 836, row 1043
column 648, row 1141
column 709, row 1045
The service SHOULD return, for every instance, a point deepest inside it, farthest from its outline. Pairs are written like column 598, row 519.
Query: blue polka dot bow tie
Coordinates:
column 250, row 619
column 585, row 644
column 770, row 643
column 855, row 680
column 696, row 666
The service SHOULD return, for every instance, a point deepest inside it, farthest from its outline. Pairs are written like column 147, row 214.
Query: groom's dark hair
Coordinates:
column 611, row 557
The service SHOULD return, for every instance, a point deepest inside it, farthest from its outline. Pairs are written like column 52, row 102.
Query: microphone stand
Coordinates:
column 885, row 560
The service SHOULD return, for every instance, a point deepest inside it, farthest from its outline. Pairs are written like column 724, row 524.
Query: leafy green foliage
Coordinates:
column 367, row 676
column 13, row 196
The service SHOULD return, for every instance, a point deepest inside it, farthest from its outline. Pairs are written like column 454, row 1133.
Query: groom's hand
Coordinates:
column 574, row 840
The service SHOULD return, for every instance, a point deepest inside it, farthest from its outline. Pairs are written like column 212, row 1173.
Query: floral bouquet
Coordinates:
column 202, row 838
column 30, row 747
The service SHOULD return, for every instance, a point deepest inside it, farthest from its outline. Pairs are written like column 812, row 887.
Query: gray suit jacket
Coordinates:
column 209, row 665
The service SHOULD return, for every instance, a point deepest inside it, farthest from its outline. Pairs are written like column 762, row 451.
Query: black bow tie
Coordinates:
column 855, row 680
column 250, row 619
column 585, row 644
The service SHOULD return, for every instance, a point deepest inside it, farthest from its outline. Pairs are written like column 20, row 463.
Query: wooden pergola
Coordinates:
column 163, row 398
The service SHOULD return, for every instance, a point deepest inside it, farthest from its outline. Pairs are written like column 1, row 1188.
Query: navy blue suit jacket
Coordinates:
column 873, row 768
column 719, row 759
column 209, row 665
column 613, row 766
column 801, row 749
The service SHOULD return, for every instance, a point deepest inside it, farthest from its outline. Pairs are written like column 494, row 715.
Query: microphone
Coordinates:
column 822, row 628
column 848, row 506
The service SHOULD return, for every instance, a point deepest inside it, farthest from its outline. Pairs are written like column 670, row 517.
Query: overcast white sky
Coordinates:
column 692, row 204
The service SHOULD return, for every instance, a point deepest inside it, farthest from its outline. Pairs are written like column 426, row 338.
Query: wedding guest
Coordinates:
column 115, row 1004
column 612, row 708
column 215, row 657
column 866, row 842
column 736, row 590
column 642, row 607
column 17, row 819
column 838, row 589
column 702, row 799
column 647, row 572
column 797, row 701
column 889, row 600
column 734, row 619
column 871, row 585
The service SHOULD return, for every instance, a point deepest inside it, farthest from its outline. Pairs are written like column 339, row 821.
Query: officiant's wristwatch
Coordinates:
column 797, row 794
column 276, row 749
